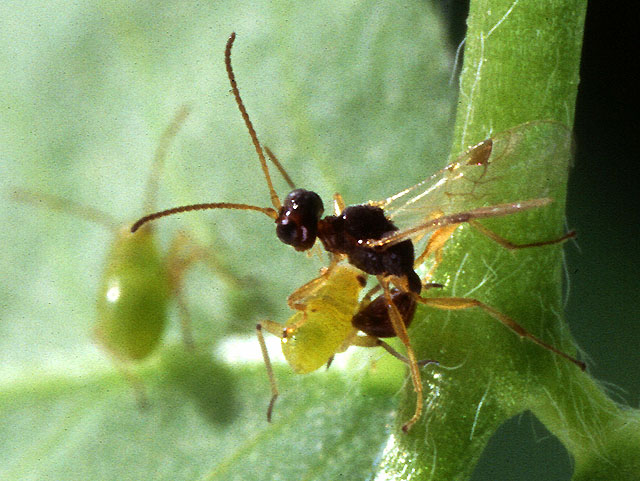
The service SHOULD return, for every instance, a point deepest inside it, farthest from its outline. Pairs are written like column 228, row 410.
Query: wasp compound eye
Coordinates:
column 287, row 231
column 297, row 222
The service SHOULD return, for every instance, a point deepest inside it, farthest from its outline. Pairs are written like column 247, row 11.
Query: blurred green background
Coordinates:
column 353, row 98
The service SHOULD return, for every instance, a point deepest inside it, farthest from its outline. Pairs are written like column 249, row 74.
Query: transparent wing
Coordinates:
column 520, row 168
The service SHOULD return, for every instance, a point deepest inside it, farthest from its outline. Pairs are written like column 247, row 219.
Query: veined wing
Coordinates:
column 520, row 168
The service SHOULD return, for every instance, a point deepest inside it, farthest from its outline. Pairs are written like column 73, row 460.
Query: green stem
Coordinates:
column 521, row 65
column 602, row 437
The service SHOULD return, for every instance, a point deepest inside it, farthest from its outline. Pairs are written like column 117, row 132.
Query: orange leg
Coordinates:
column 338, row 203
column 440, row 237
column 401, row 331
column 366, row 299
column 372, row 341
column 457, row 303
column 436, row 242
column 510, row 245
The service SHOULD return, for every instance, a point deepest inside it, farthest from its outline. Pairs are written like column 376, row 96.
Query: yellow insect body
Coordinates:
column 315, row 334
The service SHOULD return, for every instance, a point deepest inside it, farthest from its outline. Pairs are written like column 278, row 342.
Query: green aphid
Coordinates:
column 138, row 280
column 133, row 296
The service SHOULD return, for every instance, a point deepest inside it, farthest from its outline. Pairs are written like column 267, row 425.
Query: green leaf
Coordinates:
column 339, row 91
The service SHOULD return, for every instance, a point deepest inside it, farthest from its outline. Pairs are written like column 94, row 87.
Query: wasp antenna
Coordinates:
column 254, row 137
column 168, row 135
column 279, row 166
column 268, row 211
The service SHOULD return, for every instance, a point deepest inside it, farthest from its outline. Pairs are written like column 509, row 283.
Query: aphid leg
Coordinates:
column 338, row 203
column 296, row 299
column 401, row 332
column 330, row 361
column 510, row 245
column 183, row 253
column 185, row 322
column 277, row 330
column 291, row 328
column 350, row 340
column 178, row 261
column 457, row 303
column 139, row 390
column 372, row 341
column 122, row 365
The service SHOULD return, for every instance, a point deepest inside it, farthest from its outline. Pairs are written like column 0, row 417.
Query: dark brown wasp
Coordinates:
column 368, row 237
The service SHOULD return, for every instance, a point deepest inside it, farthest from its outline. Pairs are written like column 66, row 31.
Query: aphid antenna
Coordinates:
column 96, row 216
column 59, row 204
column 151, row 189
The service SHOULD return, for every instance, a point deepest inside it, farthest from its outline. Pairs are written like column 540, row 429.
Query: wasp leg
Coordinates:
column 401, row 331
column 458, row 303
column 372, row 341
column 434, row 247
column 510, row 245
column 366, row 299
column 338, row 203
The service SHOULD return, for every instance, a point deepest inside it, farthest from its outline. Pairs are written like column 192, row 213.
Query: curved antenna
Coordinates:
column 254, row 137
column 215, row 205
column 268, row 211
column 168, row 135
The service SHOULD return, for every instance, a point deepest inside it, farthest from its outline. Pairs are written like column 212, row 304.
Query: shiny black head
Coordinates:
column 297, row 222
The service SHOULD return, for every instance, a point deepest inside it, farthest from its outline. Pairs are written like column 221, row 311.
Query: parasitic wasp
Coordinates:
column 379, row 238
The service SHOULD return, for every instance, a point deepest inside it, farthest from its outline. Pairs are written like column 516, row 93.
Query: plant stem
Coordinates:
column 521, row 64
